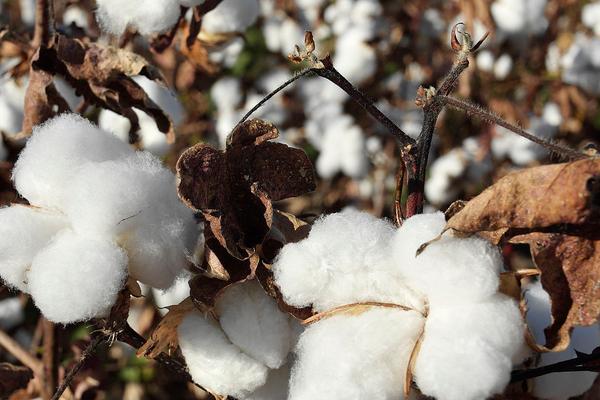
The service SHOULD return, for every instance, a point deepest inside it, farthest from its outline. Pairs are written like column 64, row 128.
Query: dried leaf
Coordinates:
column 234, row 189
column 13, row 378
column 285, row 228
column 164, row 338
column 559, row 197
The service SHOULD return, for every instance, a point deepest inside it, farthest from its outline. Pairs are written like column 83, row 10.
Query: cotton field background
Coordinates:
column 300, row 199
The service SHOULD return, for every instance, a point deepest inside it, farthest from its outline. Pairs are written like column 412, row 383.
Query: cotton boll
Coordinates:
column 440, row 188
column 273, row 79
column 273, row 110
column 344, row 260
column 175, row 294
column 54, row 153
column 226, row 93
column 11, row 313
column 590, row 16
column 519, row 17
column 485, row 61
column 355, row 60
column 77, row 277
column 342, row 150
column 227, row 53
column 231, row 16
column 146, row 16
column 214, row 362
column 76, row 15
column 226, row 121
column 67, row 92
column 539, row 315
column 252, row 321
column 503, row 66
column 115, row 123
column 355, row 357
column 25, row 231
column 276, row 387
column 290, row 34
column 151, row 138
column 12, row 100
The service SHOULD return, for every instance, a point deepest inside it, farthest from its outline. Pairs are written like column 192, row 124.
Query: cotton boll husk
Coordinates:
column 231, row 16
column 24, row 231
column 226, row 93
column 344, row 260
column 175, row 294
column 54, row 153
column 276, row 387
column 252, row 321
column 355, row 357
column 11, row 313
column 147, row 16
column 214, row 362
column 77, row 277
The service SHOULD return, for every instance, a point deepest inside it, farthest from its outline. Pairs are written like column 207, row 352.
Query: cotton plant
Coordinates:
column 151, row 138
column 99, row 213
column 517, row 18
column 564, row 385
column 242, row 348
column 376, row 302
column 521, row 151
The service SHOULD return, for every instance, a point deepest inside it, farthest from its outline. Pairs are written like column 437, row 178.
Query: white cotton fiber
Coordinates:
column 175, row 294
column 355, row 357
column 342, row 149
column 114, row 123
column 276, row 387
column 441, row 186
column 253, row 322
column 231, row 16
column 214, row 362
column 354, row 59
column 163, row 97
column 146, row 16
column 24, row 232
column 12, row 100
column 55, row 152
column 138, row 206
column 450, row 270
column 520, row 17
column 344, row 260
column 77, row 277
column 226, row 93
column 503, row 66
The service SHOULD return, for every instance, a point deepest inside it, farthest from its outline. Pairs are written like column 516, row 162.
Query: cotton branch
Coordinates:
column 44, row 23
column 583, row 362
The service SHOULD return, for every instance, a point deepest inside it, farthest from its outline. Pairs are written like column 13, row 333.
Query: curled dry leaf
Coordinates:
column 12, row 378
column 164, row 338
column 102, row 75
column 234, row 188
column 554, row 209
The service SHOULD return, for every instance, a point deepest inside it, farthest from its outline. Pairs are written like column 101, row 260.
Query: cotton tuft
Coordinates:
column 231, row 16
column 146, row 16
column 77, row 277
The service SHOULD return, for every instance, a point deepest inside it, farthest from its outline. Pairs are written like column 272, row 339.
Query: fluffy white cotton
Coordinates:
column 503, row 66
column 55, row 152
column 226, row 93
column 231, row 16
column 590, row 16
column 114, row 123
column 450, row 270
column 214, row 362
column 564, row 385
column 137, row 205
column 191, row 3
column 146, row 16
column 441, row 187
column 282, row 33
column 485, row 60
column 354, row 59
column 77, row 277
column 163, row 97
column 227, row 54
column 24, row 231
column 76, row 15
column 175, row 294
column 253, row 322
column 355, row 357
column 342, row 149
column 344, row 260
column 581, row 64
column 12, row 100
column 11, row 313
column 520, row 17
column 276, row 387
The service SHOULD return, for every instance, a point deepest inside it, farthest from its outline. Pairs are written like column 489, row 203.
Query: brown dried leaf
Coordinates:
column 570, row 267
column 12, row 378
column 285, row 228
column 164, row 338
column 102, row 75
column 266, row 280
column 558, row 197
column 234, row 188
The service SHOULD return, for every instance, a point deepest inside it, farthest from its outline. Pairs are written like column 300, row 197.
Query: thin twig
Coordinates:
column 89, row 351
column 21, row 354
column 50, row 359
column 575, row 364
column 489, row 116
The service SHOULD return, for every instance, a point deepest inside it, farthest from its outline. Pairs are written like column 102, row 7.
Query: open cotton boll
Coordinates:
column 441, row 187
column 114, row 123
column 344, row 260
column 485, row 60
column 355, row 357
column 54, row 153
column 24, row 231
column 226, row 121
column 226, row 93
column 231, row 16
column 227, row 54
column 146, row 16
column 520, row 17
column 75, row 15
column 11, row 313
column 253, row 322
column 175, row 294
column 214, row 362
column 354, row 59
column 503, row 66
column 77, row 277
column 342, row 150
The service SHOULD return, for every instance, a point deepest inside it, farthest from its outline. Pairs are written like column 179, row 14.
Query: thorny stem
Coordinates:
column 583, row 362
column 488, row 116
column 89, row 351
column 44, row 23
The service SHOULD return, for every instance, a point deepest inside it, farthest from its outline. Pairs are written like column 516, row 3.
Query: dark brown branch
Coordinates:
column 44, row 23
column 50, row 359
column 89, row 351
column 583, row 362
column 488, row 116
